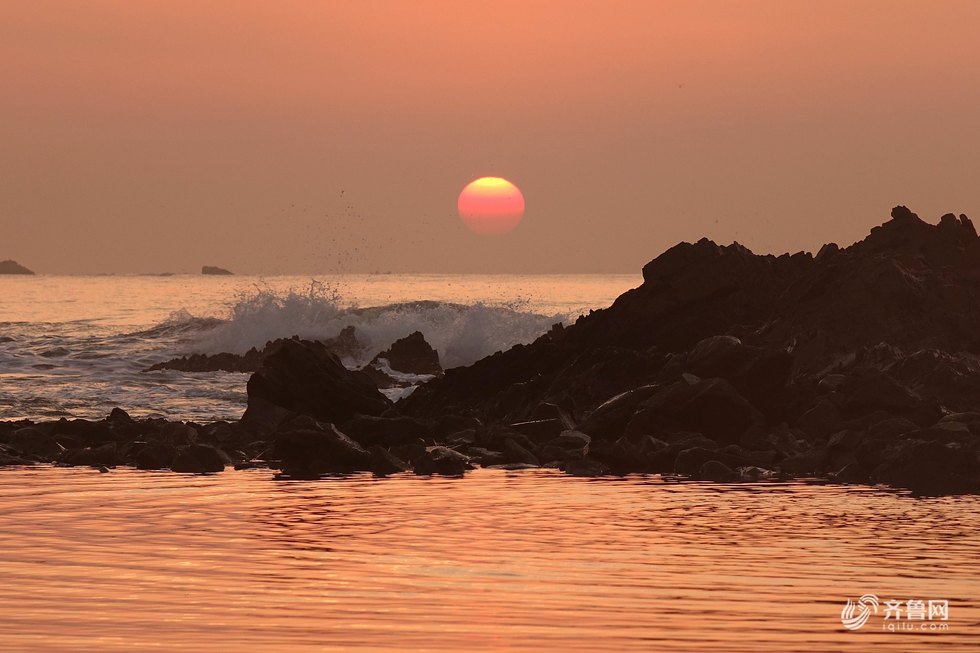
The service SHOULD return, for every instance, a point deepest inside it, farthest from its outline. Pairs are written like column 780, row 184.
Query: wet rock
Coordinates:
column 155, row 455
column 199, row 459
column 690, row 461
column 608, row 421
column 852, row 474
column 719, row 472
column 821, row 420
column 753, row 474
column 485, row 457
column 411, row 355
column 931, row 468
column 443, row 461
column 104, row 455
column 305, row 378
column 813, row 461
column 587, row 468
column 318, row 449
column 388, row 431
column 384, row 463
column 540, row 430
column 515, row 453
column 709, row 406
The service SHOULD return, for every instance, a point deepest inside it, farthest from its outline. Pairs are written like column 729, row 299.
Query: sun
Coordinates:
column 491, row 206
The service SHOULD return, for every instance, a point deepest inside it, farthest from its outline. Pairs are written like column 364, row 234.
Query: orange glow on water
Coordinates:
column 491, row 205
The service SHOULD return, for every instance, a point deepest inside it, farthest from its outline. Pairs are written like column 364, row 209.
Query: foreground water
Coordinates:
column 77, row 346
column 496, row 561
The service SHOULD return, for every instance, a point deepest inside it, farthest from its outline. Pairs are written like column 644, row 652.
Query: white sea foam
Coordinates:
column 462, row 334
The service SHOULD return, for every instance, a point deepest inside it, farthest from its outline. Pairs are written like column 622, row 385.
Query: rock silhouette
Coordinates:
column 13, row 267
column 215, row 270
column 858, row 365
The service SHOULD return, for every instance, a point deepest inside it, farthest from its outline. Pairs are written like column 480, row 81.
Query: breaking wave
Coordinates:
column 461, row 333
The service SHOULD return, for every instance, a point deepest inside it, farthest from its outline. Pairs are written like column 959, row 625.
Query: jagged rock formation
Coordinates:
column 859, row 365
column 345, row 344
column 13, row 267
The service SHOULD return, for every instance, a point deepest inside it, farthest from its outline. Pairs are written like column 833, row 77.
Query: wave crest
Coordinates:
column 461, row 333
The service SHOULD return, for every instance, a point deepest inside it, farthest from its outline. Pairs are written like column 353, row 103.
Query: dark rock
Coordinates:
column 852, row 474
column 930, row 468
column 306, row 378
column 345, row 344
column 388, row 431
column 411, row 355
column 813, row 461
column 485, row 457
column 155, row 455
column 104, row 455
column 608, row 421
column 821, row 420
column 443, row 461
column 13, row 267
column 317, row 450
column 690, row 461
column 199, row 459
column 384, row 463
column 540, row 430
column 588, row 468
column 517, row 454
column 710, row 406
column 214, row 270
column 716, row 471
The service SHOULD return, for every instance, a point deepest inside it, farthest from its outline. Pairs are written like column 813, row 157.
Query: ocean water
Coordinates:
column 496, row 561
column 521, row 561
column 78, row 346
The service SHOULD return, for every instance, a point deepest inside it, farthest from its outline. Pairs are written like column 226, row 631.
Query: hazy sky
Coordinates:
column 319, row 136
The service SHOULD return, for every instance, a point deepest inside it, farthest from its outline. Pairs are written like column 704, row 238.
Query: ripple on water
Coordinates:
column 522, row 561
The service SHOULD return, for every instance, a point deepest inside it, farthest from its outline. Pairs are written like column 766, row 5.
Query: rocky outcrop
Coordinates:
column 13, row 267
column 215, row 271
column 411, row 355
column 305, row 378
column 857, row 365
column 345, row 344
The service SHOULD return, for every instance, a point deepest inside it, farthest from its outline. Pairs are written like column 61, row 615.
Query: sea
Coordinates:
column 77, row 346
column 499, row 560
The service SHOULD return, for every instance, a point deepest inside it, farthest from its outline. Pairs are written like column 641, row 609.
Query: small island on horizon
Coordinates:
column 13, row 267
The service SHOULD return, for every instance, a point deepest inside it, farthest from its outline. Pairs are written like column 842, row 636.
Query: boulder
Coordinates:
column 303, row 377
column 443, row 461
column 411, row 355
column 314, row 449
column 709, row 406
column 717, row 471
column 930, row 468
column 199, row 459
column 155, row 455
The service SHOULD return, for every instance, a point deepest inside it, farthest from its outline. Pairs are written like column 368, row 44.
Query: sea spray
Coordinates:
column 461, row 333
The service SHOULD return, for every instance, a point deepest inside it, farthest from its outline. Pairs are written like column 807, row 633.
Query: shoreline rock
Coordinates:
column 858, row 365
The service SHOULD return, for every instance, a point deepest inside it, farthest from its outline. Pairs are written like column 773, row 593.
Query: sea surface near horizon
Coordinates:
column 76, row 346
column 516, row 561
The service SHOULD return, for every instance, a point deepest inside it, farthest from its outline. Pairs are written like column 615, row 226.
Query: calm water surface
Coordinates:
column 496, row 561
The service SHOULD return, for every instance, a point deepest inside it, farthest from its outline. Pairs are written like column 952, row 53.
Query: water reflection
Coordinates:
column 498, row 560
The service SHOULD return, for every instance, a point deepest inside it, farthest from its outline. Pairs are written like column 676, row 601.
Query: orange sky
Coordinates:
column 335, row 136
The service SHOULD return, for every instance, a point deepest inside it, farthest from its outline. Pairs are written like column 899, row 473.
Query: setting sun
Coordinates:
column 491, row 205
